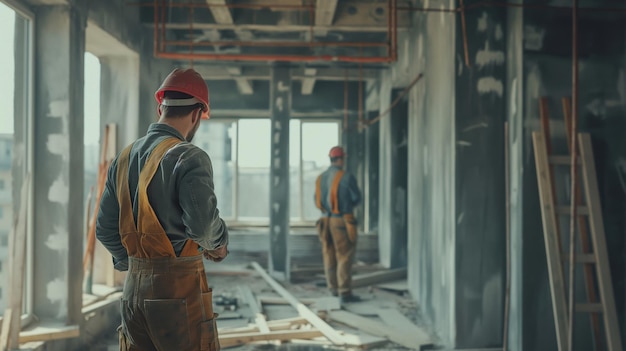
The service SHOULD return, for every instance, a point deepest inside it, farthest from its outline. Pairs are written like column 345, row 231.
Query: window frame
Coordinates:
column 28, row 166
column 301, row 221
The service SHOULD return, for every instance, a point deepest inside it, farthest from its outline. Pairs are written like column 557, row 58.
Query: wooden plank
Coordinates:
column 396, row 320
column 16, row 269
column 46, row 333
column 252, row 302
column 399, row 286
column 272, row 300
column 6, row 330
column 378, row 277
column 328, row 331
column 240, row 339
column 605, row 285
column 379, row 329
column 550, row 230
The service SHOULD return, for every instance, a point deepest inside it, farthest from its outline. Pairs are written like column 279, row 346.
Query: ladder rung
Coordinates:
column 589, row 307
column 565, row 210
column 562, row 160
column 581, row 258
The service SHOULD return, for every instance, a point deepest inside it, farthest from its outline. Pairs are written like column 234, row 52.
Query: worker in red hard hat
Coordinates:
column 336, row 195
column 158, row 217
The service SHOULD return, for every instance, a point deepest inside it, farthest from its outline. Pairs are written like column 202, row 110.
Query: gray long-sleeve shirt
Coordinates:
column 181, row 194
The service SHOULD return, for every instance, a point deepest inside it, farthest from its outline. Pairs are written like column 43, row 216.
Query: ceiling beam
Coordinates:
column 283, row 27
column 309, row 82
column 325, row 12
column 211, row 72
column 221, row 14
column 243, row 84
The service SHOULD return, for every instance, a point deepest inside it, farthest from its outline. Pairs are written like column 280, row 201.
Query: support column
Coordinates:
column 59, row 226
column 280, row 105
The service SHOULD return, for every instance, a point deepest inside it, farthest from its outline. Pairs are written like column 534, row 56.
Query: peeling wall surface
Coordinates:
column 480, row 180
column 431, row 150
column 60, row 39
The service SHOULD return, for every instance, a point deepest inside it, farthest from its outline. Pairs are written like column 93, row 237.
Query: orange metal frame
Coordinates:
column 161, row 44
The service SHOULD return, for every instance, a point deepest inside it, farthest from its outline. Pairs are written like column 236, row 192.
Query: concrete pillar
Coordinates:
column 354, row 143
column 370, row 191
column 59, row 226
column 280, row 105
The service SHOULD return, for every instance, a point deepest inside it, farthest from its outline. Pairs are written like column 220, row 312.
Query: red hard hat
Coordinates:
column 336, row 151
column 186, row 81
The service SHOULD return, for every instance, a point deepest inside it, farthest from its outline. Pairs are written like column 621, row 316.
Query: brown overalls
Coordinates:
column 338, row 236
column 167, row 304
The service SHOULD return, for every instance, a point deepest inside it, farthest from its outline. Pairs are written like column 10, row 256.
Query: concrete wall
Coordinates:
column 480, row 179
column 431, row 173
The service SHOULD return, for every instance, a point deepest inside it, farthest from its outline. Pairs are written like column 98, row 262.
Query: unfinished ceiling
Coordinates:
column 237, row 39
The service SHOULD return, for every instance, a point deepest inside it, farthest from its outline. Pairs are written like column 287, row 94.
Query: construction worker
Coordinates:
column 336, row 195
column 158, row 217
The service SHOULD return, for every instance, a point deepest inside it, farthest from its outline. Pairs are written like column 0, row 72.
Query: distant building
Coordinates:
column 6, row 208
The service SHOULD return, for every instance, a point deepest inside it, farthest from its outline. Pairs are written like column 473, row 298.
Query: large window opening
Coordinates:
column 91, row 127
column 240, row 151
column 15, row 140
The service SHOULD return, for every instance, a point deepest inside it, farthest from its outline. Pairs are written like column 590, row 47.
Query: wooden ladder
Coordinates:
column 594, row 252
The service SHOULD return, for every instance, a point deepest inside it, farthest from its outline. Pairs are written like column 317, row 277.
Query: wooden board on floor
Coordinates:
column 240, row 339
column 45, row 333
column 397, row 286
column 398, row 321
column 379, row 329
column 375, row 278
column 328, row 331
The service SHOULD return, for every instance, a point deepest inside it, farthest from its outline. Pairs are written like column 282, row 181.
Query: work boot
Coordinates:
column 348, row 298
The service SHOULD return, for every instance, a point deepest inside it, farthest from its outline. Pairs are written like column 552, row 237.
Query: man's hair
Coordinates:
column 334, row 159
column 177, row 111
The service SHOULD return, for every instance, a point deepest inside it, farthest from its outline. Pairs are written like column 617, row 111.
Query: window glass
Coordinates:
column 317, row 139
column 91, row 126
column 219, row 140
column 7, row 133
column 295, row 198
column 254, row 170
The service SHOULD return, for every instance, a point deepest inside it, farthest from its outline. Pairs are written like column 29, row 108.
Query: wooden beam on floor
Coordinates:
column 367, row 325
column 328, row 331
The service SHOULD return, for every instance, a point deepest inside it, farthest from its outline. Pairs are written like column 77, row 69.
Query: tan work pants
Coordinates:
column 338, row 238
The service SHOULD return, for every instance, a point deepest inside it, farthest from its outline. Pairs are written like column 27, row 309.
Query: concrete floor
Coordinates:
column 227, row 280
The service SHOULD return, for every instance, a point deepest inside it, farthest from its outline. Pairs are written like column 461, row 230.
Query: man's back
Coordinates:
column 348, row 193
column 180, row 193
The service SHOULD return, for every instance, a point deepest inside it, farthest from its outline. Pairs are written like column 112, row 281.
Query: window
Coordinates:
column 91, row 126
column 310, row 142
column 15, row 127
column 240, row 152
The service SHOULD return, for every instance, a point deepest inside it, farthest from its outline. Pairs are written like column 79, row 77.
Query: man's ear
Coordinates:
column 196, row 115
column 159, row 112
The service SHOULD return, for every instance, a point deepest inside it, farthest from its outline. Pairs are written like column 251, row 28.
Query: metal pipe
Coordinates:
column 394, row 31
column 505, row 4
column 156, row 27
column 396, row 101
column 264, row 57
column 573, row 175
column 164, row 22
column 275, row 43
column 232, row 6
column 464, row 31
